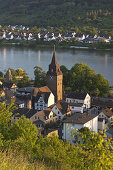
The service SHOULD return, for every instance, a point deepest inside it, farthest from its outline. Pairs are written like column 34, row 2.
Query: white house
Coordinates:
column 47, row 116
column 78, row 121
column 42, row 98
column 9, row 36
column 105, row 118
column 2, row 35
column 78, row 101
column 80, row 36
column 61, row 109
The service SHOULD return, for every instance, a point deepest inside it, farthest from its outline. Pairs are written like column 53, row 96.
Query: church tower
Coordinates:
column 8, row 75
column 54, row 78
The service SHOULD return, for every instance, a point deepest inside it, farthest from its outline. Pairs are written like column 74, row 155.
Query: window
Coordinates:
column 58, row 112
column 59, row 117
column 35, row 117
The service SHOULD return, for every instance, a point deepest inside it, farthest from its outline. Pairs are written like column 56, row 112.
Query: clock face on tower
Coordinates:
column 51, row 77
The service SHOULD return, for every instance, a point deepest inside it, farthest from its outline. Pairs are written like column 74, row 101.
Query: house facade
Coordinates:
column 105, row 119
column 78, row 102
column 42, row 98
column 78, row 121
column 61, row 109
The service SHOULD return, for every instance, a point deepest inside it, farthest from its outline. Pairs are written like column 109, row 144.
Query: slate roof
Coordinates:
column 63, row 107
column 41, row 89
column 26, row 89
column 18, row 102
column 39, row 122
column 28, row 113
column 76, row 104
column 76, row 95
column 107, row 112
column 102, row 104
column 23, row 97
column 45, row 113
column 80, row 118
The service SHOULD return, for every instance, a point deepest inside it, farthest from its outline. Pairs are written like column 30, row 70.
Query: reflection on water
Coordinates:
column 100, row 61
column 4, row 57
column 106, row 60
column 39, row 56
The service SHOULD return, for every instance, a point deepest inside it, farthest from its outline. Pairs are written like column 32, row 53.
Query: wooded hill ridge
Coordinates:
column 97, row 13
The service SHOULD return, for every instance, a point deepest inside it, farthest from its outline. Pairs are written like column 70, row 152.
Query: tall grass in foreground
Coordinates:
column 11, row 161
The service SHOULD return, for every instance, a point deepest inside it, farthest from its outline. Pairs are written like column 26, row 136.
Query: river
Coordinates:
column 100, row 61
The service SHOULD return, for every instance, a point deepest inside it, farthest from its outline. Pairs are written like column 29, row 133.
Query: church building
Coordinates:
column 54, row 78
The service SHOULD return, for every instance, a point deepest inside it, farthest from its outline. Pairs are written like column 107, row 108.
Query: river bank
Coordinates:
column 49, row 44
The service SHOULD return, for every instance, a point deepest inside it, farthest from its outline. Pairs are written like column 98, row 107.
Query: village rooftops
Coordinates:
column 80, row 118
column 26, row 90
column 28, row 113
column 45, row 113
column 102, row 103
column 37, row 122
column 63, row 106
column 44, row 95
column 42, row 89
column 107, row 112
column 76, row 95
column 76, row 104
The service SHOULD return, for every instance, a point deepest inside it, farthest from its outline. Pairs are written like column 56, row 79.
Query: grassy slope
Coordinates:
column 19, row 162
column 57, row 12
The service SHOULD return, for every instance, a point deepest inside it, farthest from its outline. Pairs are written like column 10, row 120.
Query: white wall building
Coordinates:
column 107, row 116
column 79, row 121
column 61, row 109
column 78, row 101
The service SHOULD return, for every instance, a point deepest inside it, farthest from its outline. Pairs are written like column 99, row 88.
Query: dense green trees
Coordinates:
column 40, row 77
column 20, row 77
column 57, row 13
column 81, row 78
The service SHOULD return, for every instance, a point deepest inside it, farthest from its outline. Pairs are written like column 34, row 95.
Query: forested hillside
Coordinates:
column 97, row 13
